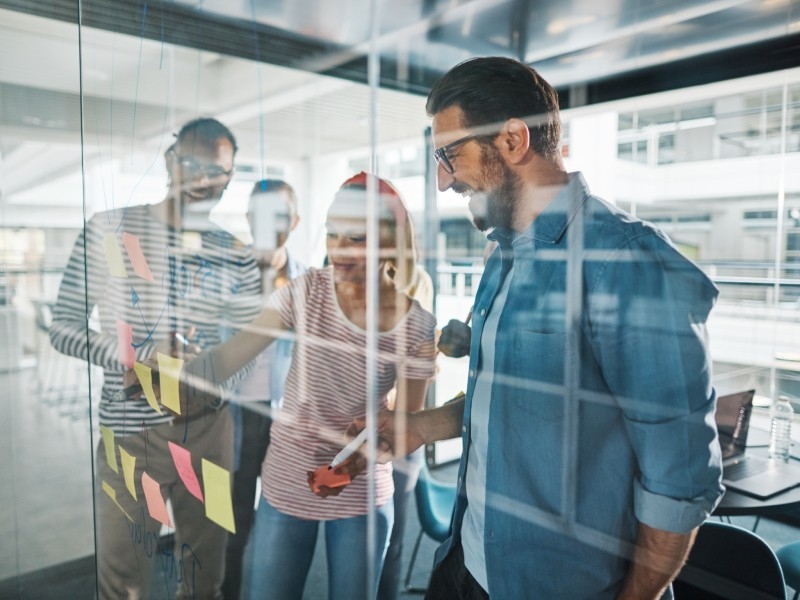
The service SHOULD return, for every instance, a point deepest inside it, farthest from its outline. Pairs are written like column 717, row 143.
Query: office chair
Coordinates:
column 728, row 562
column 789, row 557
column 435, row 500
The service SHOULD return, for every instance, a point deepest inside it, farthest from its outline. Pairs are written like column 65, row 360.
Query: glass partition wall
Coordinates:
column 124, row 245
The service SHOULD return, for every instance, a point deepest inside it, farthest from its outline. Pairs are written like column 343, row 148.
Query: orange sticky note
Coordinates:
column 169, row 369
column 113, row 495
column 145, row 375
column 217, row 486
column 329, row 478
column 108, row 443
column 125, row 344
column 155, row 502
column 139, row 262
column 183, row 463
column 128, row 470
column 116, row 265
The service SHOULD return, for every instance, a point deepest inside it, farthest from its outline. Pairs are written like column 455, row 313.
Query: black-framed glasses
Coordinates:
column 191, row 166
column 440, row 154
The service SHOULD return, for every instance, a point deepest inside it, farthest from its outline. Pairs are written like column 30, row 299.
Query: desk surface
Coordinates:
column 734, row 504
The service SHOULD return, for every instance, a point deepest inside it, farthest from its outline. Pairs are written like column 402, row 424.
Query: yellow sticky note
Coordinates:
column 116, row 265
column 169, row 372
column 217, row 488
column 128, row 469
column 108, row 443
column 113, row 495
column 145, row 375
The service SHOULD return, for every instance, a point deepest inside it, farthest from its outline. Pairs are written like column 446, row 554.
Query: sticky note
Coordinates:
column 145, row 375
column 169, row 369
column 155, row 502
column 329, row 478
column 136, row 256
column 128, row 470
column 116, row 265
column 113, row 495
column 108, row 443
column 125, row 344
column 217, row 486
column 183, row 463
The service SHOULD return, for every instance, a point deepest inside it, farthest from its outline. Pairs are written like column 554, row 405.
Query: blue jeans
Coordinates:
column 283, row 547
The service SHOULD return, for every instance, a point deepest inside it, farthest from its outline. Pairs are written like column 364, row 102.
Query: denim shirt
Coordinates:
column 602, row 409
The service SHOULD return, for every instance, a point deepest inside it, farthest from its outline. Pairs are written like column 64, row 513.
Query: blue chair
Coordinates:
column 789, row 557
column 728, row 562
column 435, row 500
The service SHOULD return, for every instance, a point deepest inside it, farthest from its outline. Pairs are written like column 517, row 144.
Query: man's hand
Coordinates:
column 455, row 339
column 178, row 345
column 398, row 435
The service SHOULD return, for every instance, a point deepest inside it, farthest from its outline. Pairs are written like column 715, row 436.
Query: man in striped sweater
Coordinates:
column 153, row 282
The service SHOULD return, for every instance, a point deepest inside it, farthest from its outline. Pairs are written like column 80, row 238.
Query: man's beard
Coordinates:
column 496, row 205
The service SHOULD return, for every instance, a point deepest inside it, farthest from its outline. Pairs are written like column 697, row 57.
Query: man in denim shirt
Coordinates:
column 590, row 452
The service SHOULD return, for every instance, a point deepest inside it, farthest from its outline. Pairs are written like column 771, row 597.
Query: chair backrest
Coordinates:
column 435, row 501
column 730, row 563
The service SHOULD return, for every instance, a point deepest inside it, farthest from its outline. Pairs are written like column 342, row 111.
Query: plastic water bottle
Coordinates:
column 780, row 434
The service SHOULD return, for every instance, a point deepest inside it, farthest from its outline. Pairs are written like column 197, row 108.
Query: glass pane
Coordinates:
column 182, row 185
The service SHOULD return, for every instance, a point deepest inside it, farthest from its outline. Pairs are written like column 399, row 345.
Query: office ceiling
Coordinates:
column 309, row 98
column 572, row 42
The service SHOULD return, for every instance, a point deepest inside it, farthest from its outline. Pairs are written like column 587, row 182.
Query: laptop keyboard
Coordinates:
column 745, row 468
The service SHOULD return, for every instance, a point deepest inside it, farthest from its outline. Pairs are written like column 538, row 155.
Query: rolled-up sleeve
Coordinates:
column 649, row 307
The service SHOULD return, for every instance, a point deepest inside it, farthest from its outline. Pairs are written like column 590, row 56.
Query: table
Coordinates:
column 734, row 504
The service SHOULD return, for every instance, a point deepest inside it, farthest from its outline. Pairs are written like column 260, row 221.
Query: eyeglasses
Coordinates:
column 440, row 154
column 194, row 168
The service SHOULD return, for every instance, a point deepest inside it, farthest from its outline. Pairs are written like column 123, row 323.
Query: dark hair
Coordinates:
column 270, row 186
column 491, row 90
column 207, row 129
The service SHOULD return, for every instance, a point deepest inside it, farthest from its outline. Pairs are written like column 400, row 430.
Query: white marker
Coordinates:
column 349, row 450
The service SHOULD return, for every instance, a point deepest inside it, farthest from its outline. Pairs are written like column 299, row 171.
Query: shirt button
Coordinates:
column 472, row 373
column 459, row 480
column 463, row 429
column 483, row 312
column 491, row 534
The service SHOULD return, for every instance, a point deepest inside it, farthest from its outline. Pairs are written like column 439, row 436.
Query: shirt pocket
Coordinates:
column 540, row 360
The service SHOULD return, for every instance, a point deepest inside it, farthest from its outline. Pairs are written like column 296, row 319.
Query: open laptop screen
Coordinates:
column 733, row 420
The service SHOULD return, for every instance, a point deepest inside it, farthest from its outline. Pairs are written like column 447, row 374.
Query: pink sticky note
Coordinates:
column 183, row 463
column 155, row 502
column 139, row 262
column 125, row 344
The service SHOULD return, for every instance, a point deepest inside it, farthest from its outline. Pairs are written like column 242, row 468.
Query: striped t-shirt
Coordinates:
column 142, row 274
column 327, row 388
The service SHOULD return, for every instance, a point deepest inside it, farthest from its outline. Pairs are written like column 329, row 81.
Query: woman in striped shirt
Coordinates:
column 326, row 311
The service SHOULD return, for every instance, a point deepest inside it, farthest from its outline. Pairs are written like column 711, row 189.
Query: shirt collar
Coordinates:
column 551, row 224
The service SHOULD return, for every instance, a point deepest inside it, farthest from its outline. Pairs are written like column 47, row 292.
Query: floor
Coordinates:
column 46, row 518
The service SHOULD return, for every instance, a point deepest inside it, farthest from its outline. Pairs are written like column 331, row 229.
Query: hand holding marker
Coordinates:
column 349, row 449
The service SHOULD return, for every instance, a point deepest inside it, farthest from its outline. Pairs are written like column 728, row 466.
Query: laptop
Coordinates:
column 751, row 475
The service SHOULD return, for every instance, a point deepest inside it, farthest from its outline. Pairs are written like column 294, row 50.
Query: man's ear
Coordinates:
column 295, row 221
column 516, row 140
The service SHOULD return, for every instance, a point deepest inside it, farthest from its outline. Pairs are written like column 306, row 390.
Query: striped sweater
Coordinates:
column 326, row 389
column 145, row 280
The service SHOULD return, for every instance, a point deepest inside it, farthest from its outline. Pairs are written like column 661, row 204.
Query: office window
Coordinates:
column 130, row 244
